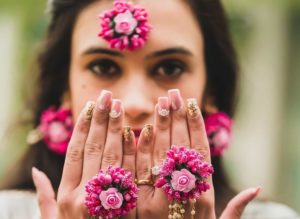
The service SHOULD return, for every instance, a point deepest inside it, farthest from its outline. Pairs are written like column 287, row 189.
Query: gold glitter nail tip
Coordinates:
column 89, row 108
column 127, row 133
column 148, row 131
column 192, row 107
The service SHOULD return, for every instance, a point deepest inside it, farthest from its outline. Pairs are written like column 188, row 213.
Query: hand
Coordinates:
column 184, row 129
column 96, row 144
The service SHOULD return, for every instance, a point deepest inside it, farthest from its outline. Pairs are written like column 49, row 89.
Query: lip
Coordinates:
column 137, row 132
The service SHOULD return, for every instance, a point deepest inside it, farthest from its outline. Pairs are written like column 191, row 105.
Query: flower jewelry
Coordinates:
column 219, row 130
column 111, row 194
column 55, row 130
column 125, row 26
column 183, row 176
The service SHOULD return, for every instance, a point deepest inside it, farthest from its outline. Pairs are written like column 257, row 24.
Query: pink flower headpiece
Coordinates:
column 56, row 129
column 219, row 131
column 125, row 26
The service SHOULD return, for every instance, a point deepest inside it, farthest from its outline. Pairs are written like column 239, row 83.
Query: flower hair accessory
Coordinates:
column 55, row 129
column 219, row 131
column 125, row 26
column 111, row 194
column 183, row 177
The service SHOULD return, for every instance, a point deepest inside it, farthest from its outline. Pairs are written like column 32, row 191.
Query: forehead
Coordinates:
column 172, row 20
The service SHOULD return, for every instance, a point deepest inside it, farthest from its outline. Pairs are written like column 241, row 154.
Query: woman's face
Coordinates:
column 173, row 57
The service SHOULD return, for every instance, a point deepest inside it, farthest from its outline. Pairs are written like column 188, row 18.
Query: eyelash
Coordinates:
column 169, row 69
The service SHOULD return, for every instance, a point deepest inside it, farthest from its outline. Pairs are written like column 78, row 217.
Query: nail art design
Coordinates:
column 89, row 110
column 127, row 133
column 148, row 132
column 104, row 100
column 163, row 106
column 115, row 109
column 192, row 107
column 175, row 98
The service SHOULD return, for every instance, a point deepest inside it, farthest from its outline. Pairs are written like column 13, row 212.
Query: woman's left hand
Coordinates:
column 184, row 126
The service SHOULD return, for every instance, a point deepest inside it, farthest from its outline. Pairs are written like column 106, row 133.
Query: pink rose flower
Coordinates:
column 125, row 23
column 111, row 199
column 183, row 180
column 57, row 132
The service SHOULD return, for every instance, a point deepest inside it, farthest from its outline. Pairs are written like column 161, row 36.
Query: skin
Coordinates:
column 173, row 57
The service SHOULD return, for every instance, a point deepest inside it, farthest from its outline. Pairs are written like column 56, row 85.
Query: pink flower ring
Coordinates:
column 184, row 174
column 111, row 194
column 125, row 26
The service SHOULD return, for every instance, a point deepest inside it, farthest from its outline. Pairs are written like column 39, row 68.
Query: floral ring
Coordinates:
column 183, row 177
column 111, row 194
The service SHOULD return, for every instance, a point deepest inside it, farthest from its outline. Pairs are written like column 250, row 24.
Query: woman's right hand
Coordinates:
column 97, row 142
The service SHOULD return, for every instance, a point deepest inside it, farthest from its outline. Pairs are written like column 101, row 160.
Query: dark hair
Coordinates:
column 54, row 62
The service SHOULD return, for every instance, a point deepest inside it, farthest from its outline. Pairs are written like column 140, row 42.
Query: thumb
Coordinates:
column 237, row 205
column 45, row 194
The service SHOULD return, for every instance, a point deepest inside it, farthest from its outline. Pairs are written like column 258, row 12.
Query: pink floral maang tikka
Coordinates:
column 125, row 26
column 55, row 129
column 219, row 131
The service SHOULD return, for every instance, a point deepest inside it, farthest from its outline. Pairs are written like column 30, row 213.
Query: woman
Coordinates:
column 189, row 48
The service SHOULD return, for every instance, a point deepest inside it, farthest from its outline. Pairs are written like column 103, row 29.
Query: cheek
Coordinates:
column 193, row 86
column 82, row 90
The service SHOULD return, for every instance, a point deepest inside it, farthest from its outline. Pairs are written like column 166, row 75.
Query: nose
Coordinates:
column 138, row 100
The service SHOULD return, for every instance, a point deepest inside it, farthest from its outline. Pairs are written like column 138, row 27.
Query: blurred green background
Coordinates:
column 266, row 147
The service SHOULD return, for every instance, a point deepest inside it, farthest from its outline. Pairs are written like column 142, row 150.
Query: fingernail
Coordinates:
column 148, row 131
column 192, row 107
column 257, row 190
column 104, row 100
column 175, row 99
column 127, row 133
column 163, row 106
column 34, row 173
column 115, row 109
column 89, row 108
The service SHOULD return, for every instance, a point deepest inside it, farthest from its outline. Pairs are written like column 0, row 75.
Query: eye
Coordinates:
column 104, row 68
column 169, row 69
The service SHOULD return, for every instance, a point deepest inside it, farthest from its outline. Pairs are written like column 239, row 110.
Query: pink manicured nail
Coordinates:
column 175, row 99
column 104, row 100
column 163, row 106
column 115, row 109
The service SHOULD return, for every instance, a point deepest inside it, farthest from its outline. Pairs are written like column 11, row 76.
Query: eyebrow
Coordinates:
column 97, row 50
column 169, row 51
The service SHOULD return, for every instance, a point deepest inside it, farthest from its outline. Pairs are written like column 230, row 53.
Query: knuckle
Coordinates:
column 75, row 154
column 143, row 171
column 163, row 124
column 185, row 143
column 93, row 148
column 64, row 202
column 203, row 150
column 111, row 158
column 115, row 129
column 161, row 155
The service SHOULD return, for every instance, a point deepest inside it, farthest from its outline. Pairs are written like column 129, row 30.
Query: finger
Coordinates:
column 162, row 122
column 197, row 131
column 179, row 129
column 45, row 194
column 144, row 153
column 129, row 149
column 237, row 205
column 113, row 151
column 97, row 135
column 72, row 171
